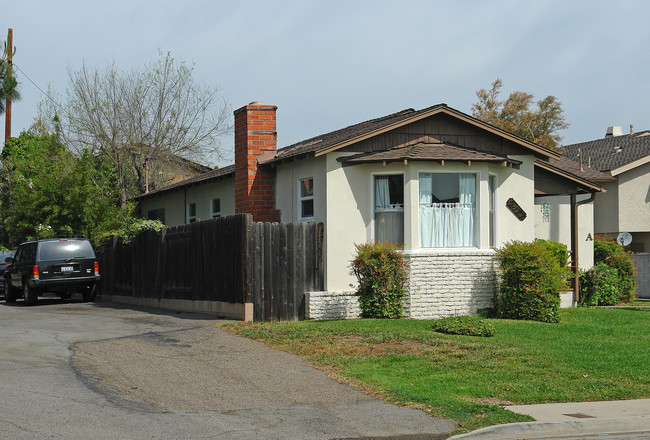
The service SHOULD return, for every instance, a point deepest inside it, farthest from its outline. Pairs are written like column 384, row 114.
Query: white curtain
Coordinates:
column 466, row 209
column 448, row 224
column 389, row 219
column 382, row 192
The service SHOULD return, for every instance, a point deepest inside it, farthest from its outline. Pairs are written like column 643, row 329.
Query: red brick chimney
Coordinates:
column 255, row 140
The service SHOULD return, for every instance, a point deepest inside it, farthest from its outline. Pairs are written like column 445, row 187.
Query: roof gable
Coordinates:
column 355, row 134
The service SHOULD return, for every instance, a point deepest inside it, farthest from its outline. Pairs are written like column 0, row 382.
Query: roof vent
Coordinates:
column 614, row 131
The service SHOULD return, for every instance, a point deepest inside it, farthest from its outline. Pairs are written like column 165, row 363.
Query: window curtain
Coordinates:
column 382, row 192
column 389, row 219
column 448, row 224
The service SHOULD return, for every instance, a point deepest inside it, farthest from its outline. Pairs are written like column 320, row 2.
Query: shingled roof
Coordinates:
column 334, row 140
column 610, row 153
column 210, row 176
column 439, row 152
column 335, row 137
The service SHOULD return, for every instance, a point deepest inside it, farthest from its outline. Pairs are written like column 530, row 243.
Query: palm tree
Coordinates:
column 8, row 83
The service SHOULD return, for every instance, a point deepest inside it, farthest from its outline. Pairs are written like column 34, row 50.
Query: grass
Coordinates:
column 592, row 354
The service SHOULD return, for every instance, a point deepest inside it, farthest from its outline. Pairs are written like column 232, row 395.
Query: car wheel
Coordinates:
column 10, row 294
column 90, row 293
column 29, row 295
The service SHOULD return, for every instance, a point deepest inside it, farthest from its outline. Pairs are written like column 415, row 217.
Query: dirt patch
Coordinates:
column 202, row 369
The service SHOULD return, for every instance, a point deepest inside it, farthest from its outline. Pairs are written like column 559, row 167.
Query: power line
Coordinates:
column 36, row 85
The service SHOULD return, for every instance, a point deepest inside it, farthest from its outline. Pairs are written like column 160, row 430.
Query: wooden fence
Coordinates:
column 228, row 259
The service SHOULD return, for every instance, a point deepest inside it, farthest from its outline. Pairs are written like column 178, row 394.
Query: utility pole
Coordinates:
column 10, row 45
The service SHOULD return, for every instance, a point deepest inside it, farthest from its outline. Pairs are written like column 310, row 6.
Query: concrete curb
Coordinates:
column 542, row 430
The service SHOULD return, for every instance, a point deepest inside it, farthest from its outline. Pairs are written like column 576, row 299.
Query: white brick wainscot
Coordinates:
column 441, row 283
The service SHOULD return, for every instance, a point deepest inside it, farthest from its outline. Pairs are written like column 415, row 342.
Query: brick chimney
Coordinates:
column 255, row 140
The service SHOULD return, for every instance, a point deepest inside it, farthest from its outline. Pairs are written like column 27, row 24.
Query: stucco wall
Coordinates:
column 520, row 186
column 175, row 202
column 350, row 201
column 606, row 209
column 287, row 188
column 634, row 200
column 558, row 227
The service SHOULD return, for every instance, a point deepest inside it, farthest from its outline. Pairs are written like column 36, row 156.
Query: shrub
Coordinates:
column 613, row 255
column 532, row 275
column 138, row 225
column 464, row 325
column 381, row 272
column 600, row 286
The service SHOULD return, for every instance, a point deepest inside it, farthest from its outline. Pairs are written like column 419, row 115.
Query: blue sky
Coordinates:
column 330, row 64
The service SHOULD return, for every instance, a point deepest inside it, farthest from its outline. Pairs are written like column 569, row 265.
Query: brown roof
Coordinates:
column 214, row 175
column 588, row 178
column 427, row 151
column 334, row 140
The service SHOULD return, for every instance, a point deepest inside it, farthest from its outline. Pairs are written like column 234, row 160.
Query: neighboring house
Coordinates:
column 625, row 207
column 447, row 186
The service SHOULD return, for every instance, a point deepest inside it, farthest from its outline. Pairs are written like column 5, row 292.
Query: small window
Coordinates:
column 156, row 214
column 191, row 213
column 389, row 209
column 492, row 184
column 216, row 208
column 306, row 199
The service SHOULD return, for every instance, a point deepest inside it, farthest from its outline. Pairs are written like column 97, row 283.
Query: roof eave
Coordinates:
column 631, row 165
column 588, row 184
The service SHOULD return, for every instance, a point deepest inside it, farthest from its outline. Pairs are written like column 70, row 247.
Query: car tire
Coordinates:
column 10, row 293
column 29, row 295
column 89, row 294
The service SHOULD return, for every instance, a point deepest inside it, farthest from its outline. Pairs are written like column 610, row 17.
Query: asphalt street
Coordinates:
column 100, row 371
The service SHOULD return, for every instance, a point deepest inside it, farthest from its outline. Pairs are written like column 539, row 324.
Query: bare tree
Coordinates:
column 157, row 114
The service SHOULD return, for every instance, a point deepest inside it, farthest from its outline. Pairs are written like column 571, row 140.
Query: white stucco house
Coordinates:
column 447, row 186
column 625, row 206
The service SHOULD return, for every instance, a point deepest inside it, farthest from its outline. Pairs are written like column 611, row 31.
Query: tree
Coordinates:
column 8, row 83
column 46, row 190
column 154, row 115
column 515, row 116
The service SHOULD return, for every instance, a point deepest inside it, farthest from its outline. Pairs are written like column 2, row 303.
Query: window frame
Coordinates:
column 477, row 203
column 307, row 198
column 493, row 184
column 215, row 213
column 191, row 218
column 373, row 203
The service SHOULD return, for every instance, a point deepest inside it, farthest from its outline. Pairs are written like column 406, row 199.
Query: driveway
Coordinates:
column 78, row 370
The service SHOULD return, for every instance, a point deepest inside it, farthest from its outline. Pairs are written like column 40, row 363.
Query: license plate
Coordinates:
column 66, row 269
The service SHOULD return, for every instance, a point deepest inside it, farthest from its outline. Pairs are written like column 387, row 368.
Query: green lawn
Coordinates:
column 592, row 354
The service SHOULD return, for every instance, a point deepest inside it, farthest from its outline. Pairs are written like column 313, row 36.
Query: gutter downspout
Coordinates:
column 574, row 241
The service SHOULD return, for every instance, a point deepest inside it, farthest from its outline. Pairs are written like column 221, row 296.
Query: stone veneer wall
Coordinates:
column 441, row 283
column 450, row 282
column 332, row 305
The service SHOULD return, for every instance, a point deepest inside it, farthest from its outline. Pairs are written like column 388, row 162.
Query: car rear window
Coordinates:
column 65, row 249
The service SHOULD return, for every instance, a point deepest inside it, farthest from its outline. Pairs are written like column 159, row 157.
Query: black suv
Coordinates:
column 60, row 265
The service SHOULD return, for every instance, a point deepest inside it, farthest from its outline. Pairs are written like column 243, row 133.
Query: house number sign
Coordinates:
column 516, row 209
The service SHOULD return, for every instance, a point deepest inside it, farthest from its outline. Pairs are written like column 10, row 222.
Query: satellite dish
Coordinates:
column 624, row 238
